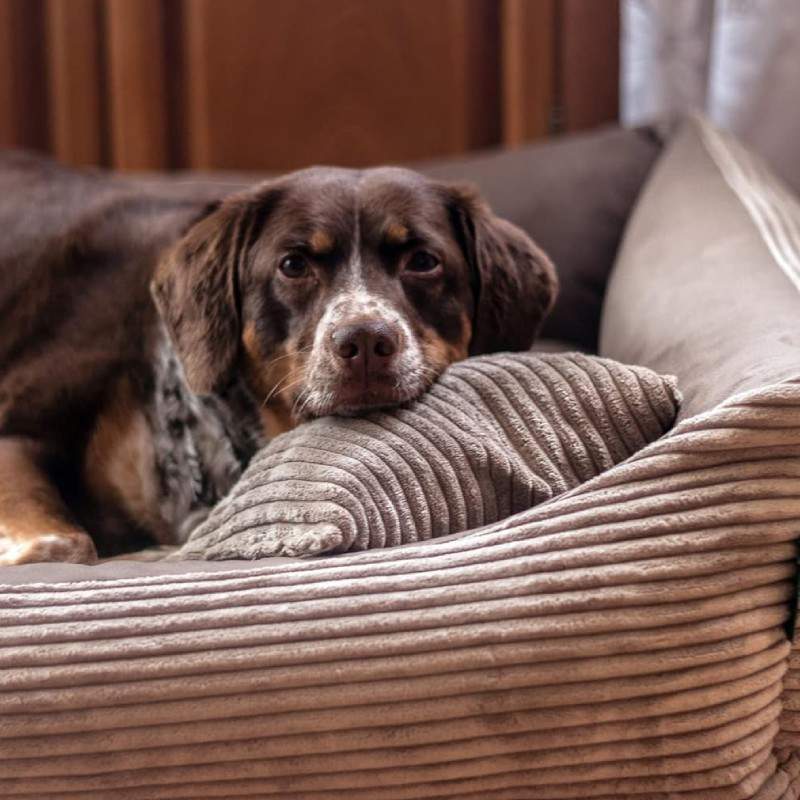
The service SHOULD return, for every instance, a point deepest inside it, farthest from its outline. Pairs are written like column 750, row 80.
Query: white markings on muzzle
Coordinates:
column 356, row 304
column 352, row 305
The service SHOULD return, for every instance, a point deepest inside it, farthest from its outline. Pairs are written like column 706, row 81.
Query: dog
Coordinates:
column 144, row 357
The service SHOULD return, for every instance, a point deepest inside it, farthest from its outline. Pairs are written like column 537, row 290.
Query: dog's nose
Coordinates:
column 366, row 343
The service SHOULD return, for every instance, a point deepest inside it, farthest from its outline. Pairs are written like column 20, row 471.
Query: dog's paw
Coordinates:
column 72, row 547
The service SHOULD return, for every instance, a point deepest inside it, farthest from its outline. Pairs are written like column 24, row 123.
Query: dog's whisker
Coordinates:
column 275, row 360
column 305, row 396
column 283, row 384
column 291, row 385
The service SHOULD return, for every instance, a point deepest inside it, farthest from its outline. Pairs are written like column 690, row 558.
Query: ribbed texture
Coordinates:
column 624, row 639
column 496, row 435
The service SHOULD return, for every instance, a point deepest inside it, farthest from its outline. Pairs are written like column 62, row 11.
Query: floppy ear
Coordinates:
column 196, row 289
column 514, row 283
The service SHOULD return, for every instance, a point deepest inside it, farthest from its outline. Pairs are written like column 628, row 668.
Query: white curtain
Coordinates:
column 739, row 60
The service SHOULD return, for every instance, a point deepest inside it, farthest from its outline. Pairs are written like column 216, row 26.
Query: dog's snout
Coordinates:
column 366, row 343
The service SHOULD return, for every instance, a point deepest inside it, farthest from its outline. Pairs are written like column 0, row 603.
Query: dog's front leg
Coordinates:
column 34, row 522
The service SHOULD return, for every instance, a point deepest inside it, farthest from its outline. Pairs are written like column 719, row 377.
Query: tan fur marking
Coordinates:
column 321, row 243
column 440, row 353
column 276, row 420
column 120, row 463
column 466, row 336
column 252, row 350
column 274, row 381
column 396, row 233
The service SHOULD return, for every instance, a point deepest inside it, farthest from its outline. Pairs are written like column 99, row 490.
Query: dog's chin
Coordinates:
column 350, row 403
column 353, row 400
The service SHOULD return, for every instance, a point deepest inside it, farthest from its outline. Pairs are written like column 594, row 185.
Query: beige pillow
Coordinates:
column 495, row 435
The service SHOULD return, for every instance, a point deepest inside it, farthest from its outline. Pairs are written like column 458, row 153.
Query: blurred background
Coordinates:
column 278, row 84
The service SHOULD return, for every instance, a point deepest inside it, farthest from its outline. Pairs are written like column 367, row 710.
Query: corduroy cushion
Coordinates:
column 624, row 640
column 707, row 285
column 494, row 436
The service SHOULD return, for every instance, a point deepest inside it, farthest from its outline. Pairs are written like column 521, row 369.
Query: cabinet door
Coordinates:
column 284, row 83
column 278, row 84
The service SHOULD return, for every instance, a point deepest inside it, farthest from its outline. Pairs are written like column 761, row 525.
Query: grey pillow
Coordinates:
column 573, row 195
column 494, row 436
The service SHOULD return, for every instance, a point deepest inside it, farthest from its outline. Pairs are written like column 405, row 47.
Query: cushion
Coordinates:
column 705, row 285
column 573, row 195
column 494, row 436
column 625, row 639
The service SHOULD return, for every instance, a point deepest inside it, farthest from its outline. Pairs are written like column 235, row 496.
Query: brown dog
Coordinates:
column 325, row 291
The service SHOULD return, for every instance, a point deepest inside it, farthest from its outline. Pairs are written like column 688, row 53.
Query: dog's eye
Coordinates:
column 422, row 261
column 293, row 266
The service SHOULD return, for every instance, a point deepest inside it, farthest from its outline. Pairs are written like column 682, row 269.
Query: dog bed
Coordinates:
column 625, row 639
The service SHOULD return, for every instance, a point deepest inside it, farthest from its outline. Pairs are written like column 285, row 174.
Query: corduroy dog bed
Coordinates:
column 627, row 639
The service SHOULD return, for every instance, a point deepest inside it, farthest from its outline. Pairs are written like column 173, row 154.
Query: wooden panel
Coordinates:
column 177, row 83
column 528, row 50
column 23, row 112
column 474, row 31
column 285, row 83
column 137, row 83
column 9, row 105
column 589, row 67
column 198, row 143
column 276, row 84
column 75, row 70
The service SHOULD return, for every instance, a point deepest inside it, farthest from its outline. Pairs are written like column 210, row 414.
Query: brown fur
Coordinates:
column 35, row 525
column 321, row 243
column 80, row 333
column 119, row 462
column 273, row 380
column 442, row 353
column 396, row 233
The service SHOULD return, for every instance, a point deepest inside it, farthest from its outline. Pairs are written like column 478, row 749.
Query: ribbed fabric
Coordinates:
column 494, row 436
column 623, row 639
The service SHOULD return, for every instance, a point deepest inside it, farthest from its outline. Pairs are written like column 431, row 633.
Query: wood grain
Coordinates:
column 75, row 73
column 589, row 63
column 279, row 84
column 291, row 82
column 9, row 111
column 528, row 51
column 23, row 111
column 134, row 35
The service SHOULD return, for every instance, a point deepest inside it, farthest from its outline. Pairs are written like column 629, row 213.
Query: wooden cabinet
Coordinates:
column 278, row 84
column 347, row 81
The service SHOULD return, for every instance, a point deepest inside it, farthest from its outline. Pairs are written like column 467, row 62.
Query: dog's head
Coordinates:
column 335, row 290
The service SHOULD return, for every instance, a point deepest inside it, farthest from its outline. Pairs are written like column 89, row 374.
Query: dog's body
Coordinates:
column 327, row 291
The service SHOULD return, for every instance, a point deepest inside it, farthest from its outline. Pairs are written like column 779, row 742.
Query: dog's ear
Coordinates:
column 196, row 288
column 514, row 284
